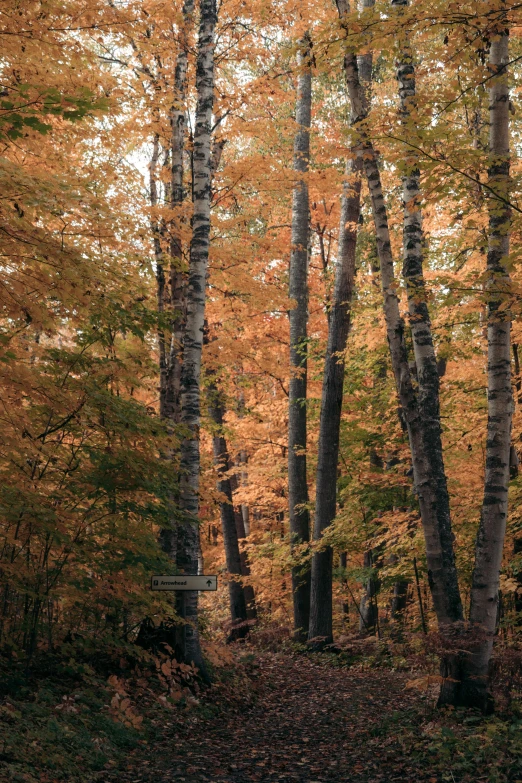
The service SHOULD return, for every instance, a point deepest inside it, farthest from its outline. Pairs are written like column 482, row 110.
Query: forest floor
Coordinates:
column 311, row 721
column 270, row 717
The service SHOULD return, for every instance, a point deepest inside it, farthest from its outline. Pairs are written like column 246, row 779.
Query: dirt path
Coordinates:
column 310, row 723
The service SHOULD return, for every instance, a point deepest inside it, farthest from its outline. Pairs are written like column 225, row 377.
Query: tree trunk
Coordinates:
column 193, row 338
column 248, row 590
column 320, row 628
column 424, row 352
column 170, row 350
column 368, row 609
column 432, row 500
column 490, row 538
column 170, row 379
column 343, row 563
column 238, row 609
column 299, row 515
column 399, row 601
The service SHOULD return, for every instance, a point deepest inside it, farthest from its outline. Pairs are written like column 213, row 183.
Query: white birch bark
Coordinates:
column 193, row 338
column 170, row 388
column 435, row 518
column 490, row 539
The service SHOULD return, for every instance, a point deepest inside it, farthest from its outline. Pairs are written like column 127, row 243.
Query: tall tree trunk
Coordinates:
column 424, row 351
column 298, row 289
column 432, row 500
column 320, row 627
column 492, row 528
column 173, row 295
column 193, row 338
column 238, row 609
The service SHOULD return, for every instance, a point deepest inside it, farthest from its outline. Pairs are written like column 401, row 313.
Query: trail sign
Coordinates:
column 184, row 582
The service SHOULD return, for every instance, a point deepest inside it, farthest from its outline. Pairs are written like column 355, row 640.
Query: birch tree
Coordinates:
column 193, row 336
column 473, row 690
column 433, row 499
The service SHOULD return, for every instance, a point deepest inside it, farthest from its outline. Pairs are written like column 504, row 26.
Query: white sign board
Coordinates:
column 183, row 582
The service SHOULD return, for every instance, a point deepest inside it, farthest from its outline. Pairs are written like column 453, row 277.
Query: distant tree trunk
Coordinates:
column 368, row 609
column 343, row 562
column 299, row 515
column 320, row 628
column 248, row 590
column 243, row 461
column 490, row 538
column 238, row 609
column 399, row 600
column 193, row 338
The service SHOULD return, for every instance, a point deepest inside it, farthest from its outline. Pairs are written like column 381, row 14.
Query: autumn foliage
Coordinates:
column 90, row 470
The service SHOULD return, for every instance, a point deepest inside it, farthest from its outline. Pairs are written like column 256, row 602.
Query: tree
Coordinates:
column 238, row 606
column 299, row 515
column 320, row 630
column 188, row 541
column 473, row 689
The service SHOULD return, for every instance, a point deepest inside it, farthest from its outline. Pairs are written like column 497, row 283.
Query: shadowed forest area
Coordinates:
column 260, row 321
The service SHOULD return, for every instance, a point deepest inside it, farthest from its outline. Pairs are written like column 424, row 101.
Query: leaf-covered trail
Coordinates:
column 308, row 723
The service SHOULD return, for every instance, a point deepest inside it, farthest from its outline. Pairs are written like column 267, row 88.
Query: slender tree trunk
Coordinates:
column 343, row 562
column 248, row 590
column 368, row 609
column 320, row 627
column 424, row 351
column 238, row 609
column 193, row 339
column 490, row 538
column 299, row 514
column 173, row 299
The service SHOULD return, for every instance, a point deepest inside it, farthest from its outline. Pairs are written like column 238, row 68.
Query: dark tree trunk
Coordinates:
column 238, row 609
column 320, row 628
column 368, row 609
column 343, row 562
column 299, row 515
column 248, row 590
